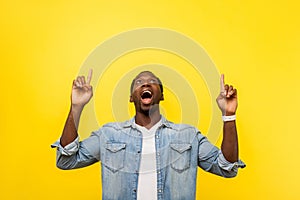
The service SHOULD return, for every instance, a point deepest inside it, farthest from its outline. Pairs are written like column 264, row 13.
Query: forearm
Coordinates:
column 71, row 126
column 230, row 141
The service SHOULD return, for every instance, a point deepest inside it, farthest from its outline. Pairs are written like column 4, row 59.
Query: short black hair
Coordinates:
column 159, row 81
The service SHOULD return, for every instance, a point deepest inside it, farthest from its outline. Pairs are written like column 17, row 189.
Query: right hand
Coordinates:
column 82, row 91
column 227, row 99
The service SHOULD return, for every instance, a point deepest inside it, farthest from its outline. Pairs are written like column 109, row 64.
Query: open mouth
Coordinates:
column 146, row 97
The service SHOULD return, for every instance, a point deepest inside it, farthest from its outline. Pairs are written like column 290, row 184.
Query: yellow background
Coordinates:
column 43, row 44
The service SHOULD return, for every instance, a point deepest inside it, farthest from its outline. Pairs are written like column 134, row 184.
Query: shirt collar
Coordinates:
column 131, row 123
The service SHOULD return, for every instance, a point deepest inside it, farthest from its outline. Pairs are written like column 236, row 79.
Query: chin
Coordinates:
column 147, row 109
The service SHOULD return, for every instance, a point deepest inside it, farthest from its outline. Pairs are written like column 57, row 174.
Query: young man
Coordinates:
column 148, row 157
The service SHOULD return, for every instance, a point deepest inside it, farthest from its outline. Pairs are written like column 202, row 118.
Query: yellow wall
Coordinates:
column 43, row 45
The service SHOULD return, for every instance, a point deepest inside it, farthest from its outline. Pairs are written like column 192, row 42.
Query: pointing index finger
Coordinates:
column 89, row 77
column 222, row 88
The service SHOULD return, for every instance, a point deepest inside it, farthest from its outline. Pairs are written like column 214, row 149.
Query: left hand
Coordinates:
column 227, row 99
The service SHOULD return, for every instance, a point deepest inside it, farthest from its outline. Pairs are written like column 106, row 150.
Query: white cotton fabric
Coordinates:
column 147, row 181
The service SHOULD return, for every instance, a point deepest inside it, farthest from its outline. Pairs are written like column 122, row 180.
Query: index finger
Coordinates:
column 89, row 77
column 222, row 88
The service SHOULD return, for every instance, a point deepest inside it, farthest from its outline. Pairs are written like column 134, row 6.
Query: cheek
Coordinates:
column 134, row 97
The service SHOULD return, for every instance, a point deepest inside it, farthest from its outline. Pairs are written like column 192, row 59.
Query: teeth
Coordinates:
column 146, row 94
column 147, row 91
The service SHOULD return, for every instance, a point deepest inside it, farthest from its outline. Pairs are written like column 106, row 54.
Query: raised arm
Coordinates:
column 82, row 92
column 227, row 102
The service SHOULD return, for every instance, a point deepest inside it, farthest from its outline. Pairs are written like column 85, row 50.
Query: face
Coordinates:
column 146, row 92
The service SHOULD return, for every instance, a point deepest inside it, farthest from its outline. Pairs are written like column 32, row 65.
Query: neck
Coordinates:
column 148, row 120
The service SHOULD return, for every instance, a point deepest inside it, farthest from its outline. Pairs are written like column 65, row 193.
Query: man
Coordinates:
column 148, row 157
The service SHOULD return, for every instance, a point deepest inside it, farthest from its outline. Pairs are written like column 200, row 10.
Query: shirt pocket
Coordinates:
column 114, row 156
column 180, row 155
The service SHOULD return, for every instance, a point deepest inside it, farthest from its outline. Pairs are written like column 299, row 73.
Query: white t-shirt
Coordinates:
column 147, row 182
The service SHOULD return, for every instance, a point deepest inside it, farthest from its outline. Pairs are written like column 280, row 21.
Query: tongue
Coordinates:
column 146, row 100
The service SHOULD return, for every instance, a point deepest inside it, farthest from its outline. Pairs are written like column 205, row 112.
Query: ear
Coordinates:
column 162, row 97
column 130, row 99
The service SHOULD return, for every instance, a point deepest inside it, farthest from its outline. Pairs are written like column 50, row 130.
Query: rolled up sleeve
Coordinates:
column 78, row 154
column 228, row 166
column 211, row 159
column 69, row 149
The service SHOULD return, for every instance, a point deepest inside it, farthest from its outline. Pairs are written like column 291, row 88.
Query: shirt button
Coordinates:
column 158, row 154
column 134, row 190
column 159, row 190
column 157, row 136
column 158, row 172
column 139, row 151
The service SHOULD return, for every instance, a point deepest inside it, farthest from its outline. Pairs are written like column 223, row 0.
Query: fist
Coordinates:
column 82, row 91
column 227, row 99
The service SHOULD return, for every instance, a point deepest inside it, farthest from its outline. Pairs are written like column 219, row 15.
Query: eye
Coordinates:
column 153, row 81
column 138, row 82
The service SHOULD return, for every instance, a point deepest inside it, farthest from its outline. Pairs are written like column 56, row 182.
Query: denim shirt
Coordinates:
column 180, row 149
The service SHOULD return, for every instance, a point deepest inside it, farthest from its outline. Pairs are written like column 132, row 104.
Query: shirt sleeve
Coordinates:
column 78, row 154
column 69, row 149
column 211, row 159
column 228, row 166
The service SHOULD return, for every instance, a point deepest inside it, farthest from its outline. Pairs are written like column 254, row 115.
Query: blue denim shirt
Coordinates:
column 180, row 149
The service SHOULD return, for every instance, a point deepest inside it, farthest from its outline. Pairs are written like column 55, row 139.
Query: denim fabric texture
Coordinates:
column 180, row 149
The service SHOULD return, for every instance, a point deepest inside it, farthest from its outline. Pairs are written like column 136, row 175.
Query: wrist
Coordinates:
column 77, row 108
column 227, row 118
column 228, row 113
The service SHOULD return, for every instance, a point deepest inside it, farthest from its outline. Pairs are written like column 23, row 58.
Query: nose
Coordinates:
column 146, row 84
